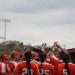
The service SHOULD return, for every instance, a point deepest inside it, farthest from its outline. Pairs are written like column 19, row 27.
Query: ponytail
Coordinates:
column 28, row 66
column 42, row 58
column 40, row 67
column 28, row 58
column 66, row 60
column 67, row 69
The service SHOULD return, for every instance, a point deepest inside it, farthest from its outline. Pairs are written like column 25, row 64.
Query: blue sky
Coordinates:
column 39, row 21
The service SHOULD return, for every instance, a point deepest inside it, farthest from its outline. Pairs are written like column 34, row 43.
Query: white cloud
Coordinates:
column 35, row 5
column 38, row 21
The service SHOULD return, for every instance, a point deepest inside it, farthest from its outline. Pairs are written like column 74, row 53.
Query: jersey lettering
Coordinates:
column 45, row 72
column 65, row 72
column 25, row 71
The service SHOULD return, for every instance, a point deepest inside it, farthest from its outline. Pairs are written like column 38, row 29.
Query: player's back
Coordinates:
column 4, row 70
column 63, row 71
column 22, row 68
column 12, row 65
column 46, row 68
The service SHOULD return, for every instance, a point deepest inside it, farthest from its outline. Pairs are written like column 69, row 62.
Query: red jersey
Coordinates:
column 4, row 69
column 54, row 61
column 62, row 70
column 21, row 68
column 12, row 65
column 46, row 69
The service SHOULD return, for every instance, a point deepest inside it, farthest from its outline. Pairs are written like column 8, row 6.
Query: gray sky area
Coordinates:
column 39, row 21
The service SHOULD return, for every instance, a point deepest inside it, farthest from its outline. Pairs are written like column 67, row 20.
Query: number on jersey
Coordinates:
column 45, row 72
column 65, row 72
column 25, row 71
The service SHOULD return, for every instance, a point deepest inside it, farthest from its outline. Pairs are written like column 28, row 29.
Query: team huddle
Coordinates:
column 37, row 62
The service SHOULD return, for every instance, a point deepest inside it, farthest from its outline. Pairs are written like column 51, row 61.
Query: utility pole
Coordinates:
column 5, row 20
